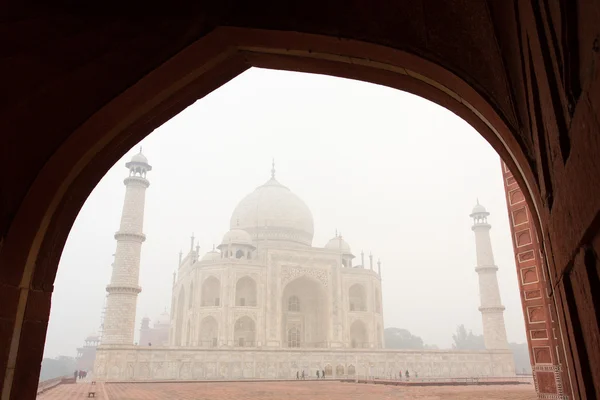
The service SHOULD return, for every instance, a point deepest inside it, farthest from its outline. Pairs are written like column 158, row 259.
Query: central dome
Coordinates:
column 273, row 212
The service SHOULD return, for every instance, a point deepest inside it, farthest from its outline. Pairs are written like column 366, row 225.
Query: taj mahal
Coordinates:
column 267, row 303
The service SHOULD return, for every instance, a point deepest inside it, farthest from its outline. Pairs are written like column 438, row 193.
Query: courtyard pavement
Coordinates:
column 304, row 390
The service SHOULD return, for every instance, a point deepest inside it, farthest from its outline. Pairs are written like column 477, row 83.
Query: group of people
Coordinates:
column 407, row 374
column 302, row 375
column 79, row 374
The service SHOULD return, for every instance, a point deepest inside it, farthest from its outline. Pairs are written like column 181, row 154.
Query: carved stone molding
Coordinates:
column 288, row 274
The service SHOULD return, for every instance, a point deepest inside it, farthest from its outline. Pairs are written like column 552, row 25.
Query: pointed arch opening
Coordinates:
column 245, row 292
column 358, row 335
column 191, row 296
column 209, row 332
column 244, row 332
column 357, row 298
column 305, row 320
column 179, row 318
column 211, row 292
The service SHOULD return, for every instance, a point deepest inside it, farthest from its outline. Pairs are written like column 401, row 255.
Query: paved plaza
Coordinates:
column 306, row 390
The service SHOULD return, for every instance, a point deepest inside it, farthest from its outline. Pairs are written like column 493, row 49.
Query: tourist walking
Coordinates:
column 318, row 374
column 297, row 375
column 323, row 375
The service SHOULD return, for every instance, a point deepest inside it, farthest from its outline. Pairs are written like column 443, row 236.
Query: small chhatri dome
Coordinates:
column 139, row 161
column 140, row 158
column 274, row 212
column 211, row 256
column 237, row 236
column 479, row 209
column 338, row 243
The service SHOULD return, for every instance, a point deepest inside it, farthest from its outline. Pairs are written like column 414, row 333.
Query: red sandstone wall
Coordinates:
column 543, row 333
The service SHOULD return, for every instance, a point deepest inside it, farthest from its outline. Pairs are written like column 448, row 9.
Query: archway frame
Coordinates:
column 38, row 232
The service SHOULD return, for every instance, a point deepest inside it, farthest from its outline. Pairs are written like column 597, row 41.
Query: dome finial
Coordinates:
column 273, row 169
column 140, row 149
column 478, row 201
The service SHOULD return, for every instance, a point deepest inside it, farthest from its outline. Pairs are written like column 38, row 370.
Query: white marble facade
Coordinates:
column 266, row 286
column 137, row 363
column 265, row 303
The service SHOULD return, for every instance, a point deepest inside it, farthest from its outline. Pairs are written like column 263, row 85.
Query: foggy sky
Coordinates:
column 394, row 173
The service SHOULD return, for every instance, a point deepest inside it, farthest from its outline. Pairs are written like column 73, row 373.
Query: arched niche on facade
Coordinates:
column 244, row 332
column 245, row 292
column 211, row 292
column 359, row 337
column 305, row 308
column 179, row 318
column 209, row 332
column 187, row 333
column 191, row 295
column 339, row 370
column 377, row 301
column 351, row 370
column 357, row 298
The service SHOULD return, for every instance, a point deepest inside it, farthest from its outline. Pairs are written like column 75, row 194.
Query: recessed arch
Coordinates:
column 209, row 332
column 305, row 312
column 62, row 185
column 359, row 337
column 211, row 292
column 179, row 318
column 245, row 292
column 357, row 298
column 244, row 332
column 377, row 301
column 191, row 295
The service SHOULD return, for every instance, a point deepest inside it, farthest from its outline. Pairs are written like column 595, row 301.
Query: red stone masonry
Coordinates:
column 543, row 333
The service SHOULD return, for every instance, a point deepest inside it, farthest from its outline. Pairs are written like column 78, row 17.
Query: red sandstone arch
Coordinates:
column 35, row 223
column 70, row 174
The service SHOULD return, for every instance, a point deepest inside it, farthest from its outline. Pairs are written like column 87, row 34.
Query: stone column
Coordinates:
column 492, row 310
column 121, row 302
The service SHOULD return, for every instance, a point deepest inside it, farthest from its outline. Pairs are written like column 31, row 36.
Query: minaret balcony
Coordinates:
column 136, row 180
column 131, row 236
column 486, row 268
column 123, row 289
column 492, row 309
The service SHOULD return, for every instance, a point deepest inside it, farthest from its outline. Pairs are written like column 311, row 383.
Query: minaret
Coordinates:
column 119, row 321
column 492, row 310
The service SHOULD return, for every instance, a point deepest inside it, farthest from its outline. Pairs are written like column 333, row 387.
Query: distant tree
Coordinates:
column 467, row 341
column 57, row 367
column 521, row 355
column 397, row 338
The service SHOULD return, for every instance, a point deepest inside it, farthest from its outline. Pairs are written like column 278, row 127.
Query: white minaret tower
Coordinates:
column 492, row 310
column 121, row 301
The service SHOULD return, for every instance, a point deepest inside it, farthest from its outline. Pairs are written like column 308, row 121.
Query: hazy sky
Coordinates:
column 396, row 174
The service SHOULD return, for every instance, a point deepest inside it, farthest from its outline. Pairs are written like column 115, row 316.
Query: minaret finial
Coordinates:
column 273, row 169
column 336, row 232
